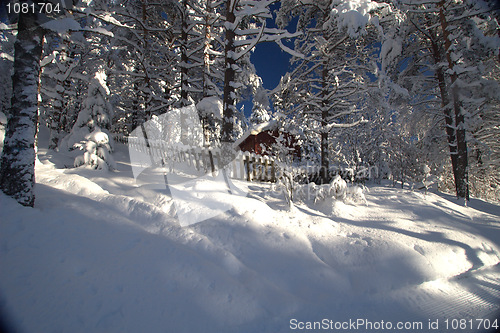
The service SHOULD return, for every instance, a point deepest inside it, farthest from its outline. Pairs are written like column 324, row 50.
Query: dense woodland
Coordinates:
column 409, row 86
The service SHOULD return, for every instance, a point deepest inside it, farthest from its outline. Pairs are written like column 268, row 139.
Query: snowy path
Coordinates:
column 99, row 254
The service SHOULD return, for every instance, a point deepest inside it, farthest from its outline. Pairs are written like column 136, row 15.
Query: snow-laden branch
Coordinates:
column 69, row 24
column 289, row 50
column 7, row 56
column 333, row 125
column 252, row 43
column 419, row 3
column 8, row 27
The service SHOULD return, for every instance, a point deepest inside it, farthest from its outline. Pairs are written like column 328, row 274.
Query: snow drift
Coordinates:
column 100, row 254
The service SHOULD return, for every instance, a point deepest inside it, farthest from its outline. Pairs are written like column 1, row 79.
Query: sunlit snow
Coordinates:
column 101, row 254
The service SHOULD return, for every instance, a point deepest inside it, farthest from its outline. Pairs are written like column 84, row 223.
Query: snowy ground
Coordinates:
column 99, row 254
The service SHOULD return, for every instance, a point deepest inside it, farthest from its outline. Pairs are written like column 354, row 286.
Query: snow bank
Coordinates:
column 100, row 254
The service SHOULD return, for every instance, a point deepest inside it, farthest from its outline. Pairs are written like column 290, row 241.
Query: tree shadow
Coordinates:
column 477, row 289
column 225, row 267
column 478, row 204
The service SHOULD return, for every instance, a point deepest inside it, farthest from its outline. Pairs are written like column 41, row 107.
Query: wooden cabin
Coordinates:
column 260, row 139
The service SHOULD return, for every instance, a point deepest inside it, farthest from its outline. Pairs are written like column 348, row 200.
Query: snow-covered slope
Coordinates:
column 99, row 254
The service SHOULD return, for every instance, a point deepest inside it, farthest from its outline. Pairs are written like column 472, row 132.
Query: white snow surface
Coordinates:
column 100, row 254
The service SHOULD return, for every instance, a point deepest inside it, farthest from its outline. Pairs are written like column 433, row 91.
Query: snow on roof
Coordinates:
column 256, row 129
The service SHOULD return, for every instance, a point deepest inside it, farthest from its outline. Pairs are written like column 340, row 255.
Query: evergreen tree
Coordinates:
column 260, row 110
column 96, row 112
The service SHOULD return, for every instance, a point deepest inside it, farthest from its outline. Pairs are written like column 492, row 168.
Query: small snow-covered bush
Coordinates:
column 337, row 190
column 284, row 182
column 354, row 195
column 97, row 151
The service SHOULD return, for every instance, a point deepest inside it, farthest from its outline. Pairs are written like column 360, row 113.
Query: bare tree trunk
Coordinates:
column 227, row 135
column 445, row 104
column 17, row 171
column 184, row 56
column 325, row 165
column 206, row 47
column 184, row 72
column 461, row 176
column 229, row 76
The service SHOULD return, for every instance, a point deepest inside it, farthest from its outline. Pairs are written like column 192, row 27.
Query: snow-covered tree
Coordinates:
column 59, row 88
column 443, row 45
column 330, row 66
column 212, row 59
column 97, row 151
column 484, row 166
column 75, row 45
column 261, row 111
column 17, row 170
column 96, row 113
column 187, row 45
column 210, row 112
column 245, row 27
column 7, row 39
column 136, row 48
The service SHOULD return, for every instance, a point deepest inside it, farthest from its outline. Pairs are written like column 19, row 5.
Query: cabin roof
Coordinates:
column 256, row 129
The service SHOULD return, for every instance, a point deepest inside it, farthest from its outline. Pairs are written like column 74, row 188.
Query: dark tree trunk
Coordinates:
column 229, row 77
column 206, row 49
column 462, row 178
column 184, row 73
column 57, row 124
column 184, row 56
column 445, row 104
column 136, row 117
column 227, row 132
column 325, row 165
column 461, row 175
column 17, row 172
column 207, row 89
